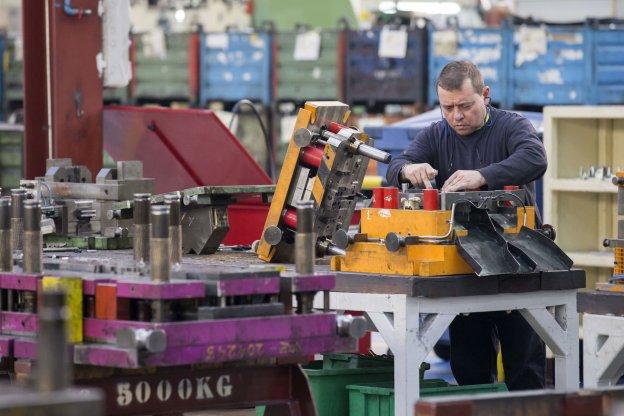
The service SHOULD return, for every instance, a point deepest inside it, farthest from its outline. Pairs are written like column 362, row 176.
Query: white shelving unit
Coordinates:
column 583, row 211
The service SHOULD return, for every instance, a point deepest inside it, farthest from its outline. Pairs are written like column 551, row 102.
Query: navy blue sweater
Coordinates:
column 506, row 151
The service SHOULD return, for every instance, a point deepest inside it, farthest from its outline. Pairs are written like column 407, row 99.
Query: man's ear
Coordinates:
column 486, row 92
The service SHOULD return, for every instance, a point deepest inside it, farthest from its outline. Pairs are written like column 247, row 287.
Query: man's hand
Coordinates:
column 419, row 174
column 464, row 180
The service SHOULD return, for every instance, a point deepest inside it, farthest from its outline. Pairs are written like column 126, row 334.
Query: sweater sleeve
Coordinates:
column 418, row 151
column 526, row 161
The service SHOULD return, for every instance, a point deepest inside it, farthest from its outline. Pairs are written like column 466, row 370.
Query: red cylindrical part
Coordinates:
column 335, row 127
column 290, row 218
column 511, row 188
column 391, row 197
column 378, row 198
column 430, row 200
column 311, row 156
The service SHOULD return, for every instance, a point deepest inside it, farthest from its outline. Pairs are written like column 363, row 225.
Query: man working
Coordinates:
column 476, row 147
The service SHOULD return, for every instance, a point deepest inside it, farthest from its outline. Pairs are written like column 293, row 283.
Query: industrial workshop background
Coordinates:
column 309, row 101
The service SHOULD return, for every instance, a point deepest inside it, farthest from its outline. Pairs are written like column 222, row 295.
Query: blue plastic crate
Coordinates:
column 235, row 65
column 608, row 65
column 370, row 78
column 486, row 48
column 562, row 75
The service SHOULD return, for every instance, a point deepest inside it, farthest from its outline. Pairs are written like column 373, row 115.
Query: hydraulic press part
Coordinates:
column 325, row 163
column 33, row 241
column 141, row 227
column 159, row 243
column 351, row 326
column 6, row 253
column 175, row 228
column 290, row 218
column 341, row 239
column 431, row 200
column 151, row 340
column 311, row 156
column 53, row 371
column 305, row 137
column 18, row 196
column 305, row 239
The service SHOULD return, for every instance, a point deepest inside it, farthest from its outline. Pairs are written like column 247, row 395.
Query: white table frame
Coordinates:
column 603, row 350
column 411, row 326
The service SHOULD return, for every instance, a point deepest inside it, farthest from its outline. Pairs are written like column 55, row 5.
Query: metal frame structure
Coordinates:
column 411, row 322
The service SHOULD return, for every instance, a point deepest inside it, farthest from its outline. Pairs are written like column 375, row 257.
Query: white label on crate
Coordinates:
column 217, row 40
column 392, row 43
column 307, row 46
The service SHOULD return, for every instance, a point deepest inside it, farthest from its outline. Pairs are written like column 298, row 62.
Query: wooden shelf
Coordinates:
column 583, row 185
column 583, row 211
column 603, row 259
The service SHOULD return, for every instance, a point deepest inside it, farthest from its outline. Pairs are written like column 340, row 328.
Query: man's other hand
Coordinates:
column 419, row 174
column 464, row 180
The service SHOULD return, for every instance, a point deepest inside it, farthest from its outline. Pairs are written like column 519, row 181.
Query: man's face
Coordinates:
column 464, row 109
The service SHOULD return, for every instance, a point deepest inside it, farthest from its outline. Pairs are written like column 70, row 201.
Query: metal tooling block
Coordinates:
column 313, row 283
column 246, row 323
column 204, row 213
column 215, row 341
column 240, row 283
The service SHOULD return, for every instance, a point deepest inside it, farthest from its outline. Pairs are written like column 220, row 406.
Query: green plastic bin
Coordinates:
column 377, row 399
column 330, row 377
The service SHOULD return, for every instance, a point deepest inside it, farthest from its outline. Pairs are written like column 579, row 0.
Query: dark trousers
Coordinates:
column 474, row 340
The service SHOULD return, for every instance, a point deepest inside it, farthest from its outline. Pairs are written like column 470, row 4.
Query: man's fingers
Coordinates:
column 425, row 179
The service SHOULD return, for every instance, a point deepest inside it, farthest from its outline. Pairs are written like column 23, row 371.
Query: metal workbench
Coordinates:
column 603, row 337
column 411, row 313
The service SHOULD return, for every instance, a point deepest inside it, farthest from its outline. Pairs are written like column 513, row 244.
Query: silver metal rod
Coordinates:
column 6, row 251
column 159, row 244
column 305, row 238
column 175, row 229
column 53, row 370
column 17, row 217
column 141, row 227
column 33, row 240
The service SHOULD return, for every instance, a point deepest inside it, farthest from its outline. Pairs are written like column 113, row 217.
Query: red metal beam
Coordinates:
column 35, row 97
column 76, row 86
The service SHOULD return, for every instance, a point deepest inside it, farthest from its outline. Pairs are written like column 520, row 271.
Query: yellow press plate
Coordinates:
column 72, row 286
column 416, row 260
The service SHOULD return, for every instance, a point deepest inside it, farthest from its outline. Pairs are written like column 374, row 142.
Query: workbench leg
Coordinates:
column 302, row 403
column 557, row 325
column 415, row 335
column 603, row 350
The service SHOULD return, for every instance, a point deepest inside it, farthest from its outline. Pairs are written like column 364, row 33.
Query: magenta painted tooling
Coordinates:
column 248, row 328
column 19, row 323
column 18, row 281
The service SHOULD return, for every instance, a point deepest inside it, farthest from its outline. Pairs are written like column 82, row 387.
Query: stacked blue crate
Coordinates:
column 550, row 65
column 486, row 48
column 235, row 65
column 395, row 138
column 371, row 79
column 608, row 64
